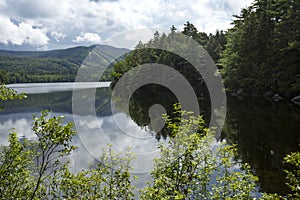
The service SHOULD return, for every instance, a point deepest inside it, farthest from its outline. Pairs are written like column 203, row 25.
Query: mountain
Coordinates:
column 52, row 66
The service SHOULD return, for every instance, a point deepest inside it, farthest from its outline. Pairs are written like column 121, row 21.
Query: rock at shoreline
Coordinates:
column 296, row 100
column 277, row 98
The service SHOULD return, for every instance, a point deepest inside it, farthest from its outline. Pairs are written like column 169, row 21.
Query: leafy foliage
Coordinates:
column 9, row 94
column 35, row 169
column 16, row 163
column 53, row 143
column 189, row 168
column 110, row 179
column 292, row 176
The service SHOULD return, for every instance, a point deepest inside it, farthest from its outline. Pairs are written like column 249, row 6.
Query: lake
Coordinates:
column 263, row 131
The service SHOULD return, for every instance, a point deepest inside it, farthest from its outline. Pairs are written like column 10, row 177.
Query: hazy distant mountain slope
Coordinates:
column 50, row 66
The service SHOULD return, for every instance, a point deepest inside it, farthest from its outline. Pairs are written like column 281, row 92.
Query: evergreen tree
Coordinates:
column 262, row 48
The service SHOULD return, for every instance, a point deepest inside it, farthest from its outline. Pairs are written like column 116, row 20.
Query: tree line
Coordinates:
column 26, row 70
column 258, row 56
column 262, row 51
column 55, row 65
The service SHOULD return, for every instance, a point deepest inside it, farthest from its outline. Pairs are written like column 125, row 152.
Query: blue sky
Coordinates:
column 52, row 24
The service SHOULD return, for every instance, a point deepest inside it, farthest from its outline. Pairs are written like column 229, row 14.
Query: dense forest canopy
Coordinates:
column 263, row 48
column 214, row 44
column 258, row 56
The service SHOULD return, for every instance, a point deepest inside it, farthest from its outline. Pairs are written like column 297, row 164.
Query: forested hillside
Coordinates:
column 214, row 44
column 49, row 66
column 263, row 48
column 258, row 56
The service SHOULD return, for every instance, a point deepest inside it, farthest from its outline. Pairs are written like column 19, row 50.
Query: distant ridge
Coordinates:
column 59, row 65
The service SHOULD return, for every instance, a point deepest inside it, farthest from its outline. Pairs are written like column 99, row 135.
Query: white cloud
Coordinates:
column 57, row 35
column 81, row 22
column 88, row 37
column 237, row 5
column 22, row 33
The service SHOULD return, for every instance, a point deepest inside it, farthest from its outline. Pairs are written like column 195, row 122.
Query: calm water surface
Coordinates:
column 264, row 131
